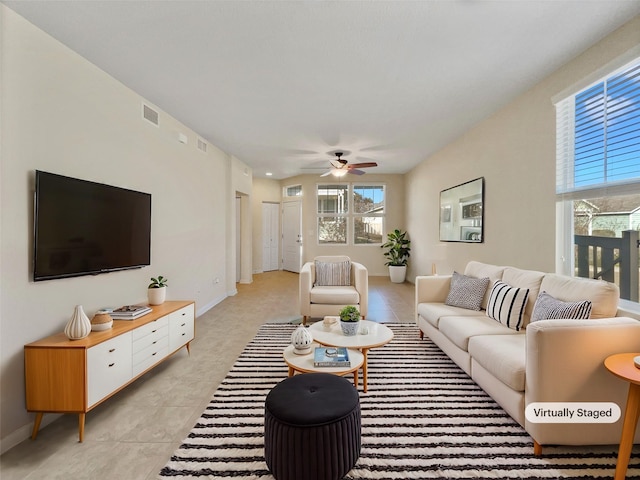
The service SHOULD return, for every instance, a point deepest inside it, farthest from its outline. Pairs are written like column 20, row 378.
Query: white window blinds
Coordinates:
column 598, row 136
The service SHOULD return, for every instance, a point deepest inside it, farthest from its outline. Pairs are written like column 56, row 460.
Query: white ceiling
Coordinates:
column 284, row 84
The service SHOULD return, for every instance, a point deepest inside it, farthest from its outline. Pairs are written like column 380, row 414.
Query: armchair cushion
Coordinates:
column 333, row 273
column 332, row 295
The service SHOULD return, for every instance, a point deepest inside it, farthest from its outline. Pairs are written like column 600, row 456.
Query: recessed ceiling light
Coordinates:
column 269, row 174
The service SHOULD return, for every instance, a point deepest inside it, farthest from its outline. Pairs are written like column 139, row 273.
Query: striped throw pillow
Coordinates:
column 507, row 304
column 466, row 292
column 335, row 274
column 548, row 307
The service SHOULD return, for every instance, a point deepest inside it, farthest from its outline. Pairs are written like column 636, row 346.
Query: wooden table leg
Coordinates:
column 364, row 370
column 631, row 414
column 355, row 378
column 81, row 417
column 36, row 425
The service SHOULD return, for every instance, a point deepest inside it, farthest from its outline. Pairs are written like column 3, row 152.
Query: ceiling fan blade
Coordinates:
column 357, row 172
column 327, row 173
column 362, row 165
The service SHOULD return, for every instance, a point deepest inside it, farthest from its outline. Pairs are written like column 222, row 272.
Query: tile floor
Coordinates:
column 133, row 434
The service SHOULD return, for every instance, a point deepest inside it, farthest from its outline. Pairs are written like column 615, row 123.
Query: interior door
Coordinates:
column 270, row 236
column 291, row 236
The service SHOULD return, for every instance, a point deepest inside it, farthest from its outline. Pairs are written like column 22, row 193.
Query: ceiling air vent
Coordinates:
column 150, row 114
column 202, row 145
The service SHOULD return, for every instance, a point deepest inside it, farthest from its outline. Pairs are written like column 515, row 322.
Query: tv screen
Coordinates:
column 87, row 228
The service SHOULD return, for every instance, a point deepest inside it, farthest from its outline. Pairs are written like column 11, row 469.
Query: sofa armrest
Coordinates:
column 565, row 359
column 432, row 288
column 361, row 283
column 306, row 284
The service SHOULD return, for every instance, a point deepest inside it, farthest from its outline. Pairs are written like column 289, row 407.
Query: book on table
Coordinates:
column 129, row 312
column 331, row 357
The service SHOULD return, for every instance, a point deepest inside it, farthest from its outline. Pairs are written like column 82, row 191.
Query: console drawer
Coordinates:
column 108, row 367
column 150, row 327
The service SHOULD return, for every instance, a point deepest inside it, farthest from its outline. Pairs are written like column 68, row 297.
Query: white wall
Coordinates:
column 514, row 150
column 59, row 113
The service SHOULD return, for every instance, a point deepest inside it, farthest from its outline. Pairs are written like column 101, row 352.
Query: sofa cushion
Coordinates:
column 333, row 273
column 460, row 329
column 507, row 303
column 529, row 279
column 603, row 295
column 329, row 295
column 432, row 312
column 480, row 270
column 466, row 291
column 502, row 355
column 548, row 307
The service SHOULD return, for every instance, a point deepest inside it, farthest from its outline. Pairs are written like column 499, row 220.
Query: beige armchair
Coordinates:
column 330, row 283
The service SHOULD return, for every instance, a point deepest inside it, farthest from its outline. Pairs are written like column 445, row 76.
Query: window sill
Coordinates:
column 627, row 308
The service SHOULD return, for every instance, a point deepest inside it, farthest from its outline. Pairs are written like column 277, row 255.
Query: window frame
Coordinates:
column 566, row 191
column 349, row 214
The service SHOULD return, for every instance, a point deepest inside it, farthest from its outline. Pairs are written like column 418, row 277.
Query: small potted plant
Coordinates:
column 398, row 252
column 157, row 290
column 349, row 320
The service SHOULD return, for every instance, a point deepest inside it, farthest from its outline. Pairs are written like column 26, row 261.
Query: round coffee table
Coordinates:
column 304, row 363
column 376, row 335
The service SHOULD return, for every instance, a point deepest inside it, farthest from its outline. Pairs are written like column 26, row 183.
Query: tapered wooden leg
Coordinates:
column 355, row 379
column 36, row 425
column 421, row 335
column 631, row 414
column 189, row 348
column 291, row 371
column 364, row 370
column 304, row 320
column 537, row 449
column 81, row 417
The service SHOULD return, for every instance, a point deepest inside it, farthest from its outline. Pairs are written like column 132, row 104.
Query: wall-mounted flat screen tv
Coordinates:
column 87, row 228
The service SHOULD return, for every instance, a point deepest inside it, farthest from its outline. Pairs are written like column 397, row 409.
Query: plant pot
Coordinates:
column 349, row 329
column 397, row 274
column 157, row 295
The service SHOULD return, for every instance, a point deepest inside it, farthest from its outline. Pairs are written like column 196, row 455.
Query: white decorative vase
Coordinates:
column 301, row 340
column 78, row 325
column 397, row 274
column 157, row 295
column 349, row 329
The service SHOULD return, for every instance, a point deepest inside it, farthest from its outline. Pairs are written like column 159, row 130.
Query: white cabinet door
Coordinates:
column 181, row 327
column 108, row 367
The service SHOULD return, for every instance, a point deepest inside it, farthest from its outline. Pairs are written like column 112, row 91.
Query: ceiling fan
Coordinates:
column 341, row 167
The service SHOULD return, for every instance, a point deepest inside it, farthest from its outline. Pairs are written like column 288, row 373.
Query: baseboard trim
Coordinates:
column 24, row 432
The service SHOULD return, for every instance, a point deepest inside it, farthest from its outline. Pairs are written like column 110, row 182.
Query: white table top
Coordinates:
column 304, row 363
column 376, row 336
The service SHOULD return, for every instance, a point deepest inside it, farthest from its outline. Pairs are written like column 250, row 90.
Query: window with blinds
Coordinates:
column 598, row 182
column 598, row 134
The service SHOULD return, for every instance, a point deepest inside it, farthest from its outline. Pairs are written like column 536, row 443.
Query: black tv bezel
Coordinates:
column 40, row 278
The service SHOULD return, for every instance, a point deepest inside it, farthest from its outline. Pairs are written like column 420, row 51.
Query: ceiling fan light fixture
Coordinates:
column 339, row 172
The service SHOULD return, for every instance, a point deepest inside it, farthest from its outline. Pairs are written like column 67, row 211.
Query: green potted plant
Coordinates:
column 398, row 252
column 157, row 290
column 349, row 320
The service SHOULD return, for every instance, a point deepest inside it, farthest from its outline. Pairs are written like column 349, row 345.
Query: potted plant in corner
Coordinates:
column 397, row 253
column 157, row 290
column 349, row 320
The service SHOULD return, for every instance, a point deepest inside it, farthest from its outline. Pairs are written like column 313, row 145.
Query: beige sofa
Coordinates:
column 546, row 361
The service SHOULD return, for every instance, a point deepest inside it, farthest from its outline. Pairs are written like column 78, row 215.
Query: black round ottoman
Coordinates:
column 312, row 427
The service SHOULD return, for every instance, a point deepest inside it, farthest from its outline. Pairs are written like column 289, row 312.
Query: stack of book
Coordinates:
column 331, row 357
column 129, row 312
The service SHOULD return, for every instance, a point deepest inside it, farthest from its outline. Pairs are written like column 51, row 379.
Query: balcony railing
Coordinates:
column 612, row 259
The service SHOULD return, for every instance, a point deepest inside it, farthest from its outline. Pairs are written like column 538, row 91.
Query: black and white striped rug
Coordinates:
column 422, row 418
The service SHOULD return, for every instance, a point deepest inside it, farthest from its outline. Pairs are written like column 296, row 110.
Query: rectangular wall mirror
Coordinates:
column 462, row 212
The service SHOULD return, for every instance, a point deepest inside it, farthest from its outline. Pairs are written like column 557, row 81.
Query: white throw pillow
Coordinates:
column 507, row 304
column 466, row 292
column 548, row 307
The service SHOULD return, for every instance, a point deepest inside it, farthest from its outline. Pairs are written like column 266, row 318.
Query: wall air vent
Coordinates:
column 150, row 114
column 202, row 145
